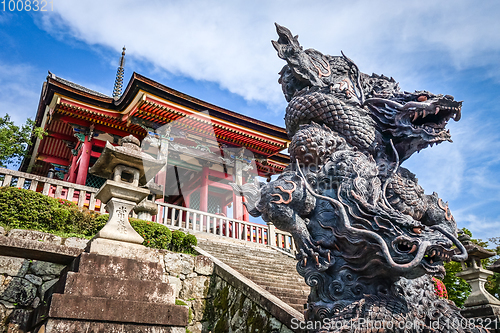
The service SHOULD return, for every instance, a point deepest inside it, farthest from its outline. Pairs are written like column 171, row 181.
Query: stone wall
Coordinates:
column 23, row 282
column 215, row 305
column 230, row 310
column 190, row 277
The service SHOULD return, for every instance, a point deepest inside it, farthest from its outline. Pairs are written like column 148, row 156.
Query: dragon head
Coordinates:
column 415, row 120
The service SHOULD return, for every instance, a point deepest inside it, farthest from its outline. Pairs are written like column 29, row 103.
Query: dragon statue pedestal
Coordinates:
column 369, row 239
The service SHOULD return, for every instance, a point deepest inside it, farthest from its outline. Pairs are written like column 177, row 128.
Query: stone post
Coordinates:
column 480, row 304
column 271, row 234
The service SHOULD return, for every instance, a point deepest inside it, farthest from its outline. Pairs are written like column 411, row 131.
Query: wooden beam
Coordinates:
column 105, row 129
column 52, row 159
column 62, row 136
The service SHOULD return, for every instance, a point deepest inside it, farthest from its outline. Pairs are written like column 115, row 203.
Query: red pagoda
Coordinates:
column 205, row 146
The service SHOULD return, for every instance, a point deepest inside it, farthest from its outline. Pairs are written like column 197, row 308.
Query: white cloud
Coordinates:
column 228, row 42
column 20, row 91
column 480, row 226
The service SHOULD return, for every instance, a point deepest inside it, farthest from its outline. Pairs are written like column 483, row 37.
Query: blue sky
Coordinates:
column 220, row 51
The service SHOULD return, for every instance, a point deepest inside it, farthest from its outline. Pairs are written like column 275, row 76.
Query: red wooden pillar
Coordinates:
column 244, row 211
column 246, row 217
column 83, row 168
column 237, row 207
column 72, row 169
column 204, row 190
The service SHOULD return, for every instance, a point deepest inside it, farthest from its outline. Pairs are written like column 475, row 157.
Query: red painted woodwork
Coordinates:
column 72, row 170
column 83, row 166
column 204, row 190
column 53, row 159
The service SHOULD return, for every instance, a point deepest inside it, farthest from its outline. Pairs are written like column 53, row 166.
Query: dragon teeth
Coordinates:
column 415, row 116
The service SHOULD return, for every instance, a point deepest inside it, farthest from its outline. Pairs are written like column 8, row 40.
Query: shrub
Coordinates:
column 177, row 240
column 182, row 242
column 155, row 235
column 24, row 209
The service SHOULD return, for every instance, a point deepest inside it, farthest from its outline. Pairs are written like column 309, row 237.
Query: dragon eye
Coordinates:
column 417, row 230
column 422, row 98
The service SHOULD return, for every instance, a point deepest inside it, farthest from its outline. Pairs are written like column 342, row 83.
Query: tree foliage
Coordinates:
column 458, row 289
column 14, row 140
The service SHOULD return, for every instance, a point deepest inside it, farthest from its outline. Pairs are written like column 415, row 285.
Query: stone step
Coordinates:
column 279, row 277
column 284, row 285
column 260, row 257
column 260, row 268
column 268, row 268
column 102, row 309
column 286, row 292
column 294, row 300
column 298, row 307
column 94, row 264
column 240, row 247
column 79, row 284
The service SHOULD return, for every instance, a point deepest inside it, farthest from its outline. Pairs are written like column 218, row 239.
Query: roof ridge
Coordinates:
column 76, row 85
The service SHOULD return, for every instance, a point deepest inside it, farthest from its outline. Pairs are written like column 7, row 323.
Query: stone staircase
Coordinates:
column 268, row 268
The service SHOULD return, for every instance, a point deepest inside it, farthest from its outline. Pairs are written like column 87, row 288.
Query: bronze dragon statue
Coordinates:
column 369, row 239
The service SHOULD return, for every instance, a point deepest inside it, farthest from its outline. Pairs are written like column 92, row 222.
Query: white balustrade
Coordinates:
column 177, row 217
column 173, row 216
column 83, row 196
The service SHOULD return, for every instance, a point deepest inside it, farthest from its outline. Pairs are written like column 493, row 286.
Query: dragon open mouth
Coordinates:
column 433, row 117
column 432, row 261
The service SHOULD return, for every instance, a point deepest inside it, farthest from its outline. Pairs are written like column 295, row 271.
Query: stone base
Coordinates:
column 99, row 293
column 79, row 326
column 109, row 247
column 488, row 315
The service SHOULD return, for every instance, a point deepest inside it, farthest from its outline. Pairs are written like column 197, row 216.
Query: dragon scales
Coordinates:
column 369, row 239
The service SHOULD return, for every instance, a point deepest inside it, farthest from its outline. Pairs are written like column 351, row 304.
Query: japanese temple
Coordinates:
column 205, row 146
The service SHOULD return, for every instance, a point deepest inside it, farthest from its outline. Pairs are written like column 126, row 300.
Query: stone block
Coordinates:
column 78, row 284
column 101, row 309
column 36, row 280
column 17, row 290
column 47, row 285
column 79, row 243
column 176, row 284
column 108, row 247
column 2, row 231
column 78, row 326
column 203, row 265
column 18, row 320
column 35, row 236
column 195, row 328
column 198, row 307
column 13, row 266
column 35, row 250
column 95, row 264
column 45, row 268
column 195, row 288
column 178, row 263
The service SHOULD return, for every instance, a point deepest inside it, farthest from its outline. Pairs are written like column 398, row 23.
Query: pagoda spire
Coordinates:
column 117, row 91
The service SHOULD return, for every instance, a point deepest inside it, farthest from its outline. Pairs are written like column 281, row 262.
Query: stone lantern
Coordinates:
column 127, row 168
column 495, row 267
column 480, row 303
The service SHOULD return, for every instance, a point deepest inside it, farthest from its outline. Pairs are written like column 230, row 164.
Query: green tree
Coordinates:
column 14, row 140
column 493, row 283
column 458, row 289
